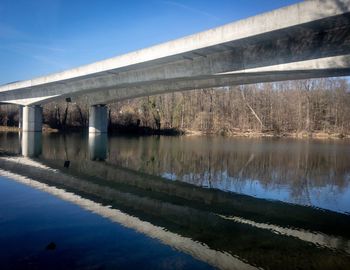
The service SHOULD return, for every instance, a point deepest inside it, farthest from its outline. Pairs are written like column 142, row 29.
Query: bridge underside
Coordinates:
column 326, row 67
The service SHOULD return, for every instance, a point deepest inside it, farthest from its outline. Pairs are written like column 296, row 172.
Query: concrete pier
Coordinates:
column 20, row 116
column 32, row 118
column 98, row 119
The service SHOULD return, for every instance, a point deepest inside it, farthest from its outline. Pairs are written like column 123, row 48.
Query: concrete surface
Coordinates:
column 32, row 118
column 98, row 119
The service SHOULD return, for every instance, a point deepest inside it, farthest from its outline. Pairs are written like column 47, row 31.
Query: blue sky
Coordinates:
column 39, row 37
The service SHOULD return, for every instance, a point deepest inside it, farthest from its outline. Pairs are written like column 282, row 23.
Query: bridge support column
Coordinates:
column 98, row 119
column 20, row 117
column 32, row 118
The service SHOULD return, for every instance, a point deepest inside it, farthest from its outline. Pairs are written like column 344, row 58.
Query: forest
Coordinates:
column 280, row 108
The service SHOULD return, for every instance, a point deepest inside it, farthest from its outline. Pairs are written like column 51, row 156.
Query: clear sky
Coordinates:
column 39, row 37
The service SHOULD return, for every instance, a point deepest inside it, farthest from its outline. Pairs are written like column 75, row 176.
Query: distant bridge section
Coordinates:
column 310, row 39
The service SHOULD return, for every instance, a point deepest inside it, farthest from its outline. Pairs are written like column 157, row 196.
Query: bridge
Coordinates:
column 310, row 39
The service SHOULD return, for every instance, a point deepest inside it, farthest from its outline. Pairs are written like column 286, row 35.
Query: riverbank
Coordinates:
column 46, row 129
column 270, row 134
column 142, row 131
column 8, row 129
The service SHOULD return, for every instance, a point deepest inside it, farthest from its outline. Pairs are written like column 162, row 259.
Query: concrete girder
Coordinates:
column 118, row 94
column 322, row 67
column 299, row 70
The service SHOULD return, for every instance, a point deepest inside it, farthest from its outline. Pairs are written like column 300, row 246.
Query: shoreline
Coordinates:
column 271, row 134
column 45, row 129
column 188, row 132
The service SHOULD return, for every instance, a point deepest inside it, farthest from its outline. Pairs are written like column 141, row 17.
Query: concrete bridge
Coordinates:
column 306, row 40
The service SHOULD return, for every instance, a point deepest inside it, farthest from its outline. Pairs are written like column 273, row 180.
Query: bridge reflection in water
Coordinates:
column 227, row 230
column 98, row 146
column 31, row 144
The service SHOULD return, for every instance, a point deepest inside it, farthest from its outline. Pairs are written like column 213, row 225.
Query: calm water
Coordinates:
column 173, row 202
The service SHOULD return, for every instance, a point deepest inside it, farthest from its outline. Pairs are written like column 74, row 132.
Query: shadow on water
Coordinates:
column 264, row 233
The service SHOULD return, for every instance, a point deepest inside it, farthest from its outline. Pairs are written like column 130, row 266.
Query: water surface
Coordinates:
column 228, row 203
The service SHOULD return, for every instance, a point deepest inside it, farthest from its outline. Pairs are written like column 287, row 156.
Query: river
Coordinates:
column 163, row 202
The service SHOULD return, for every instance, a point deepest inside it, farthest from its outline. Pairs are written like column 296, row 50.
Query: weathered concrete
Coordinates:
column 32, row 118
column 98, row 119
column 306, row 40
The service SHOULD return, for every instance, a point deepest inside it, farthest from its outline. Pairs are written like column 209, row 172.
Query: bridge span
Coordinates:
column 310, row 39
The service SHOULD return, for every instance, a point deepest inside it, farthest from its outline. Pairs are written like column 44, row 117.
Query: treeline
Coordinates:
column 318, row 105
